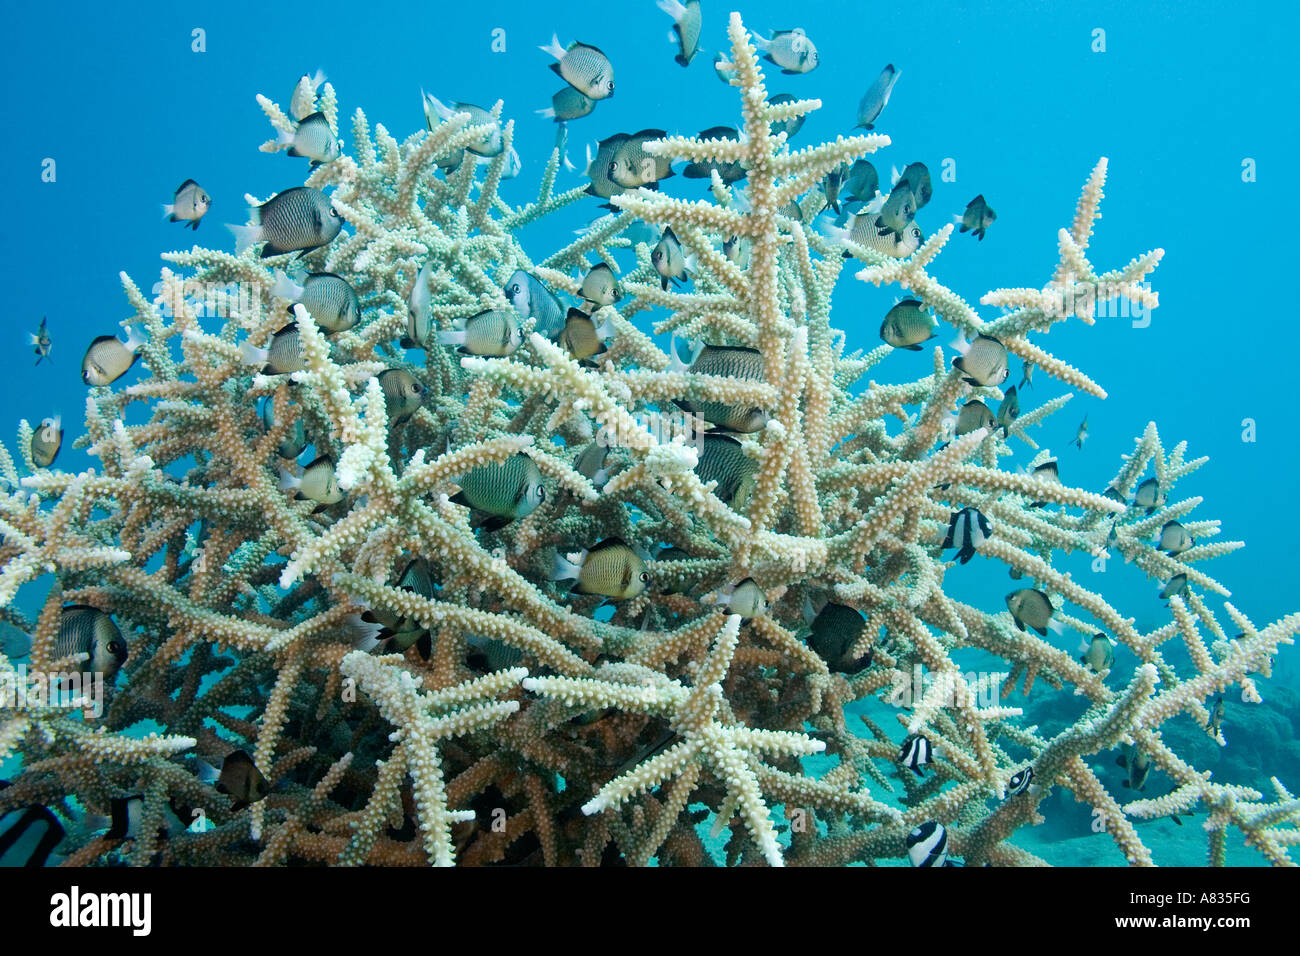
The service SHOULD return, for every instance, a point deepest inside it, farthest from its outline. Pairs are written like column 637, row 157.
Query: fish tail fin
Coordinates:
column 317, row 79
column 549, row 113
column 674, row 8
column 565, row 568
column 252, row 355
column 135, row 338
column 554, row 48
column 568, row 163
column 827, row 227
column 169, row 212
column 960, row 343
column 245, row 236
column 605, row 331
column 284, row 287
column 761, row 42
column 364, row 635
column 285, row 138
column 289, row 482
column 451, row 337
column 206, row 772
column 33, row 338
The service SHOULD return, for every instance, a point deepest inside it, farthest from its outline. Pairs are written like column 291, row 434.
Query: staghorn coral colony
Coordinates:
column 413, row 684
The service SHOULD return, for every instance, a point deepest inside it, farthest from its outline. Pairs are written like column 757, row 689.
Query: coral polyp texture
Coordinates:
column 528, row 723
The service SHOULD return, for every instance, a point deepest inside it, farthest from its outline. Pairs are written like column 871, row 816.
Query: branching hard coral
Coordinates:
column 411, row 686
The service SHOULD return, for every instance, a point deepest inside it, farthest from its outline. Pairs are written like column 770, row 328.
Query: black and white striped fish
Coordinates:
column 1020, row 782
column 28, row 835
column 916, row 753
column 967, row 530
column 927, row 845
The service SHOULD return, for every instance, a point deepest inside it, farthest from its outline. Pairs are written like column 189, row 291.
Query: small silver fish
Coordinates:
column 568, row 104
column 492, row 332
column 907, row 325
column 385, row 631
column 982, row 362
column 190, row 203
column 1138, row 766
column 503, row 491
column 46, row 441
column 1082, row 434
column 317, row 482
column 107, row 359
column 723, row 459
column 728, row 172
column 898, row 210
column 865, row 233
column 738, row 250
column 299, row 219
column 1027, row 376
column 403, row 394
column 632, row 166
column 601, row 165
column 489, row 654
column 582, row 337
column 978, row 217
column 582, row 66
column 590, row 463
column 490, row 143
column 1009, row 410
column 1030, row 608
column 787, row 126
column 600, row 287
column 877, row 96
column 1176, row 587
column 41, row 343
column 1174, row 539
column 532, row 299
column 862, row 182
column 1100, row 655
column 686, row 27
column 1149, row 495
column 611, row 569
column 313, row 139
column 745, row 598
column 668, row 260
column 973, row 416
column 330, row 299
column 831, row 187
column 918, row 180
column 88, row 630
column 295, row 437
column 282, row 357
column 791, row 50
column 1216, row 717
column 418, row 300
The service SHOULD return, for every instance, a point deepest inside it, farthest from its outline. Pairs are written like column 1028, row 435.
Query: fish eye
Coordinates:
column 541, row 493
column 610, row 86
column 644, row 576
column 334, row 212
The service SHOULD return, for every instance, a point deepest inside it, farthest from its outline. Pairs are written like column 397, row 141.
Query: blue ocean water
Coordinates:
column 1013, row 93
